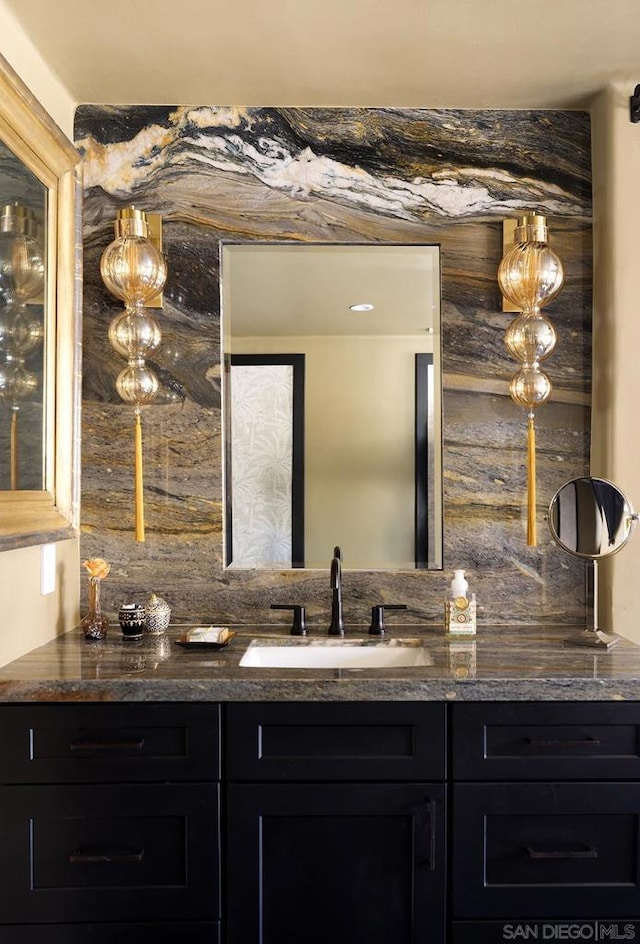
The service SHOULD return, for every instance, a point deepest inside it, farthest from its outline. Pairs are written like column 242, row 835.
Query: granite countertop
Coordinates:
column 525, row 663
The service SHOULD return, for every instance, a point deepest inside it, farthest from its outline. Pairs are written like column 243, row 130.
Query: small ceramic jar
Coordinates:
column 158, row 615
column 131, row 617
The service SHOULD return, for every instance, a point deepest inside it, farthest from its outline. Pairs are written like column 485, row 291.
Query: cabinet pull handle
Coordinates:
column 583, row 742
column 424, row 833
column 81, row 744
column 584, row 852
column 83, row 856
column 432, row 835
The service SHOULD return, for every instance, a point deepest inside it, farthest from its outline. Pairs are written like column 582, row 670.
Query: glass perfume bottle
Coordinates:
column 94, row 624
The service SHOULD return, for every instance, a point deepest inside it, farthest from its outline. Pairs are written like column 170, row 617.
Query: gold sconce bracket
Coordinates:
column 154, row 222
column 508, row 231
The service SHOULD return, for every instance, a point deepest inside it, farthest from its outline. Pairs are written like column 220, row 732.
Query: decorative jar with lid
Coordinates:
column 158, row 615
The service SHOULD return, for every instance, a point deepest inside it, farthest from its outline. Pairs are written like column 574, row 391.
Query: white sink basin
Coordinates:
column 339, row 655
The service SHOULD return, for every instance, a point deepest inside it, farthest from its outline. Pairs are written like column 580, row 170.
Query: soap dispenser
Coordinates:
column 460, row 608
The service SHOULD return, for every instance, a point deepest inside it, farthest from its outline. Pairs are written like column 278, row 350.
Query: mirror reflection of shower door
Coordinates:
column 427, row 540
column 265, row 464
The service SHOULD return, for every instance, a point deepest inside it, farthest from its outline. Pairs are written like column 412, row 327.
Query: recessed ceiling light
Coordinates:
column 362, row 306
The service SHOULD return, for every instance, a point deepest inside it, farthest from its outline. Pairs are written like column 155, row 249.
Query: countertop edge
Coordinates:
column 234, row 690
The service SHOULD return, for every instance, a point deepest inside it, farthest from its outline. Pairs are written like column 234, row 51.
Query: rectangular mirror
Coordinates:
column 332, row 405
column 39, row 323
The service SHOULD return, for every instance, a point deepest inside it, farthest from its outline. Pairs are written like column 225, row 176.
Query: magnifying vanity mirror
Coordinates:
column 333, row 405
column 39, row 323
column 590, row 518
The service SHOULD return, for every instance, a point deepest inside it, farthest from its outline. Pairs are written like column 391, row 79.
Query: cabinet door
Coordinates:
column 344, row 863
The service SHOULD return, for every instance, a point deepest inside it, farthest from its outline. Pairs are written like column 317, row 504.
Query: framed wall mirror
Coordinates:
column 39, row 321
column 332, row 405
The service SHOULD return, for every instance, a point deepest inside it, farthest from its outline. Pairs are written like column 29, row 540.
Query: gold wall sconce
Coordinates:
column 22, row 278
column 134, row 270
column 530, row 275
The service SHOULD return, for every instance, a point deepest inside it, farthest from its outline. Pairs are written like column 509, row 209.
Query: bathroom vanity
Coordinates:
column 155, row 793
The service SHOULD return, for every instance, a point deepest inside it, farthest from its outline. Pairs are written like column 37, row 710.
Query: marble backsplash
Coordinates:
column 346, row 176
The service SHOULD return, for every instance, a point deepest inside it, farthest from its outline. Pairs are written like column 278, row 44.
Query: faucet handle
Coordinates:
column 299, row 625
column 377, row 616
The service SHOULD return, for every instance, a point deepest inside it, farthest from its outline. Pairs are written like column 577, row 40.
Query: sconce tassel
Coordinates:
column 139, row 491
column 532, row 537
column 15, row 447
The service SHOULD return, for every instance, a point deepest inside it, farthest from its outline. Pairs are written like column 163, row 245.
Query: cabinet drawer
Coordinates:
column 196, row 933
column 545, row 850
column 92, row 743
column 331, row 741
column 103, row 853
column 546, row 741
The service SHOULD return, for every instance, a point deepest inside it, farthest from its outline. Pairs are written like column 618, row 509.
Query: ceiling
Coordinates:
column 293, row 291
column 407, row 53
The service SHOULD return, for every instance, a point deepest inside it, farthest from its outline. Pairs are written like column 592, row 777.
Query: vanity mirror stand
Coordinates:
column 592, row 519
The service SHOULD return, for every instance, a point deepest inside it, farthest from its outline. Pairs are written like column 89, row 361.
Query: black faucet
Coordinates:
column 337, row 624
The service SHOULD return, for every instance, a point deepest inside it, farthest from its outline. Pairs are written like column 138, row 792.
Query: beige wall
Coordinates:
column 616, row 390
column 29, row 619
column 21, row 54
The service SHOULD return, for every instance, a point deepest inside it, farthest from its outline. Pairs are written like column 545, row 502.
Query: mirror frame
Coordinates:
column 630, row 516
column 37, row 517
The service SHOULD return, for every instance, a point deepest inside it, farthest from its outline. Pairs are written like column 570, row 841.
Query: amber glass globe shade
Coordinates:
column 530, row 387
column 22, row 266
column 133, row 270
column 137, row 384
column 21, row 330
column 530, row 337
column 16, row 382
column 530, row 275
column 135, row 333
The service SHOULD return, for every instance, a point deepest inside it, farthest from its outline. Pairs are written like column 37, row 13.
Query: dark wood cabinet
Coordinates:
column 336, row 862
column 545, row 822
column 350, row 856
column 410, row 823
column 109, row 822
